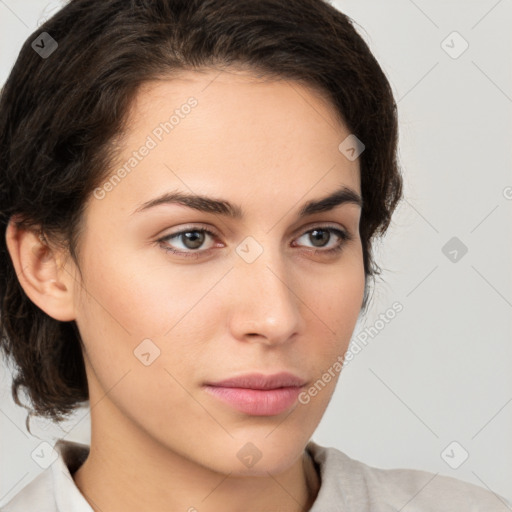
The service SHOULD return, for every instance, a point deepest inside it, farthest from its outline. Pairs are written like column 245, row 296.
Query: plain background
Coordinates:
column 439, row 372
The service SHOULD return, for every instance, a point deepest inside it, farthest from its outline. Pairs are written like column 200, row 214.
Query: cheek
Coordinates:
column 337, row 295
column 138, row 298
column 129, row 309
column 337, row 304
column 142, row 339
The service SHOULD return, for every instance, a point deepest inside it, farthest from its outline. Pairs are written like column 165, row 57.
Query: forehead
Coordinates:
column 237, row 102
column 218, row 132
column 233, row 84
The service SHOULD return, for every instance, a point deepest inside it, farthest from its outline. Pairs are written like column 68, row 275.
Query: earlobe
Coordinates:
column 46, row 282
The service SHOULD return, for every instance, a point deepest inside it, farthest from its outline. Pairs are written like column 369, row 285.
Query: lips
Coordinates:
column 258, row 394
column 260, row 381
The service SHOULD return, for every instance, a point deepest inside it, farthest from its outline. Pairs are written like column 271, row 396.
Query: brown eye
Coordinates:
column 321, row 236
column 191, row 241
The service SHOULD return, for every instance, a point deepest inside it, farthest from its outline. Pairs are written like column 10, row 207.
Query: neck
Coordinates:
column 149, row 476
column 133, row 487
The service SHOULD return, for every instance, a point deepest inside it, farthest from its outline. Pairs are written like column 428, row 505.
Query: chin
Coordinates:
column 261, row 456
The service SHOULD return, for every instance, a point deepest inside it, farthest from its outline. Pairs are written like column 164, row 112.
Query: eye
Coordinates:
column 193, row 238
column 320, row 236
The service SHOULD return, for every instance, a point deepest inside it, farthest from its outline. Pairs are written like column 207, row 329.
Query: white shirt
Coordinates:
column 347, row 485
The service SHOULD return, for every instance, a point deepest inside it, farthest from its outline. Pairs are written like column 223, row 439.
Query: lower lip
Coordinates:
column 257, row 402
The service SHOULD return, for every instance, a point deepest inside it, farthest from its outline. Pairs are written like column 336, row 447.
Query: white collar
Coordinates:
column 71, row 456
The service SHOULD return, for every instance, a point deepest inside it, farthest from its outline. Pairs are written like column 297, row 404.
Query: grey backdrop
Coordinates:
column 430, row 388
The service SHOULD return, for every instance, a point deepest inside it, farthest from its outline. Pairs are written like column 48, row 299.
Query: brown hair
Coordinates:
column 59, row 116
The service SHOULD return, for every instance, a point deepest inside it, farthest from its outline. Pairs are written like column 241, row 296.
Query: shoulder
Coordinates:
column 36, row 495
column 366, row 488
column 53, row 489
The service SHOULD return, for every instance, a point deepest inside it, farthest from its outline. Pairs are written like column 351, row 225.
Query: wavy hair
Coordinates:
column 60, row 115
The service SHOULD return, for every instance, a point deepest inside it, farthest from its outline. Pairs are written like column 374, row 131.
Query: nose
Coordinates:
column 265, row 307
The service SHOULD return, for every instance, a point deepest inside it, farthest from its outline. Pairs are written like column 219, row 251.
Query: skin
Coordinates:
column 159, row 442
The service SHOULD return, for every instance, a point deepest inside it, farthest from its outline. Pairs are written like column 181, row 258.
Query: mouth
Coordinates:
column 258, row 394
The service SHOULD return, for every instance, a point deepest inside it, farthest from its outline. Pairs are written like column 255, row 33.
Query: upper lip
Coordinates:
column 261, row 381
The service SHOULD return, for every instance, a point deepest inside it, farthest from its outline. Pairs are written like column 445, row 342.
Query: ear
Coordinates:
column 48, row 283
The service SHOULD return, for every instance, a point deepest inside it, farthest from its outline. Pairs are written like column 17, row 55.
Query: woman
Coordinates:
column 190, row 190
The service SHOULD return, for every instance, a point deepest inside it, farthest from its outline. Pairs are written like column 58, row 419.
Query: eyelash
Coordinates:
column 343, row 235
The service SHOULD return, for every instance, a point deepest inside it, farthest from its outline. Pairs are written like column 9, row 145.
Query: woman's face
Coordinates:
column 252, row 297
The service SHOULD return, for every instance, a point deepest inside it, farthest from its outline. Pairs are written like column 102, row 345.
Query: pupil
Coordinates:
column 195, row 237
column 324, row 235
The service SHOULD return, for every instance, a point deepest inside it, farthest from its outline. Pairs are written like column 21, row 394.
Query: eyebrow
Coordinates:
column 207, row 204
